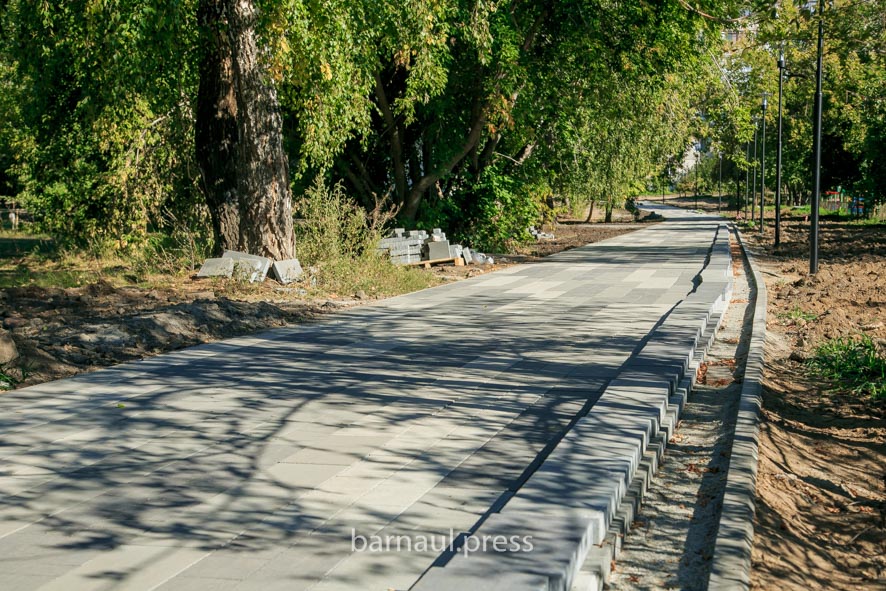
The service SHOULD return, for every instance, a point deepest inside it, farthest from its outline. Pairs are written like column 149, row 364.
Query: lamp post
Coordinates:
column 754, row 188
column 697, row 158
column 667, row 178
column 720, row 184
column 816, row 149
column 778, row 150
column 747, row 178
column 763, row 163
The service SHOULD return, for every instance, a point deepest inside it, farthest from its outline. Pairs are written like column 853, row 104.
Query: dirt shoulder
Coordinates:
column 821, row 487
column 59, row 332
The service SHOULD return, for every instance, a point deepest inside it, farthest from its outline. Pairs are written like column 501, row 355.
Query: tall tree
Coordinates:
column 239, row 134
column 216, row 125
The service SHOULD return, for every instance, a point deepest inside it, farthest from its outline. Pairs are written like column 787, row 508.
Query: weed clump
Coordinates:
column 857, row 365
column 337, row 242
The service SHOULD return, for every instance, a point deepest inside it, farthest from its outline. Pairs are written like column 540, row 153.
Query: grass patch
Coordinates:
column 7, row 382
column 38, row 261
column 798, row 314
column 336, row 241
column 855, row 365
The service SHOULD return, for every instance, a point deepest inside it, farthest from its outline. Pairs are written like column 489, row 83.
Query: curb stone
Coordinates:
column 731, row 562
column 570, row 503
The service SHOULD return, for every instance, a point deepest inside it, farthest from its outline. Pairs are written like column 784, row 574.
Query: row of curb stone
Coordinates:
column 585, row 492
column 731, row 561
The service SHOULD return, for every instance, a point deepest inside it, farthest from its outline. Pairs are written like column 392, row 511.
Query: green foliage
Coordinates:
column 495, row 212
column 8, row 381
column 490, row 108
column 330, row 226
column 855, row 365
column 337, row 244
column 102, row 125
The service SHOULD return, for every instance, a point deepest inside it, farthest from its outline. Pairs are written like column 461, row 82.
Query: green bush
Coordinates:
column 337, row 241
column 490, row 213
column 856, row 365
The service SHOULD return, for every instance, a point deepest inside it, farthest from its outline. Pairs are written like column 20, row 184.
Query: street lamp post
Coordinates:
column 778, row 149
column 697, row 159
column 720, row 184
column 667, row 179
column 754, row 188
column 816, row 149
column 747, row 179
column 763, row 164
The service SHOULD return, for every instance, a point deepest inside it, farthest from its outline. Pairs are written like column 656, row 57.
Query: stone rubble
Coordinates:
column 251, row 268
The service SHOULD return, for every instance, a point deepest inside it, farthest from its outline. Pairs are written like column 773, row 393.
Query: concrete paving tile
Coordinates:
column 183, row 583
column 368, row 419
column 127, row 567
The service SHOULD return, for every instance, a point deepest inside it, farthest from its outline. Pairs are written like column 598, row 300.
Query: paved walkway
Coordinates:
column 253, row 463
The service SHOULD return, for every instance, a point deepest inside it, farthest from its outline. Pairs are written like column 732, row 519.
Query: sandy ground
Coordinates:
column 62, row 332
column 822, row 478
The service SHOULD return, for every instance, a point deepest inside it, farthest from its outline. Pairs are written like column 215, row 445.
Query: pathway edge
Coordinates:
column 731, row 561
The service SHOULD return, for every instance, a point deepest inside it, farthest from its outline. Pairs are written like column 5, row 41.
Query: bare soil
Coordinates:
column 821, row 487
column 60, row 332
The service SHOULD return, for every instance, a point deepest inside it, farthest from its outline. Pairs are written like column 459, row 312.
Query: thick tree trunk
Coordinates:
column 215, row 135
column 262, row 166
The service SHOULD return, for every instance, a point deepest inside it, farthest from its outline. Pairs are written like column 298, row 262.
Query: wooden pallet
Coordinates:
column 457, row 261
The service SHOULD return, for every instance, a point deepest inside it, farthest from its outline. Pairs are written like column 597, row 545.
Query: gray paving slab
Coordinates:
column 422, row 413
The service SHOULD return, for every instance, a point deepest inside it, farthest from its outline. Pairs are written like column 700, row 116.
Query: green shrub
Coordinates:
column 856, row 365
column 337, row 241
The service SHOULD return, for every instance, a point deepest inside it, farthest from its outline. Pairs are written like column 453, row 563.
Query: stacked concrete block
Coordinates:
column 403, row 248
column 418, row 245
column 436, row 246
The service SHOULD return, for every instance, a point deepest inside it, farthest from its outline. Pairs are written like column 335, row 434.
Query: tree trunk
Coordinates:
column 396, row 134
column 263, row 189
column 590, row 213
column 215, row 136
column 417, row 191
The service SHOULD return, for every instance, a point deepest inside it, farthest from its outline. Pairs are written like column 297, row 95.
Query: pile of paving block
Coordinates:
column 539, row 235
column 580, row 501
column 250, row 267
column 415, row 246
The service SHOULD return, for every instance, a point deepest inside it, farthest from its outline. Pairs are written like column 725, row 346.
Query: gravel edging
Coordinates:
column 731, row 562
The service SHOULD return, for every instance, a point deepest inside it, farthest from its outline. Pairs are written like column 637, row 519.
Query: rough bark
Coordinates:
column 215, row 135
column 263, row 189
column 396, row 134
